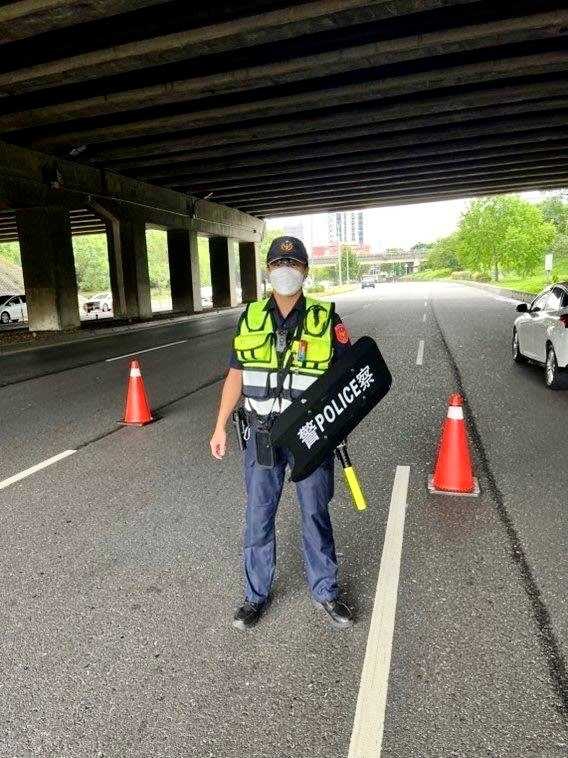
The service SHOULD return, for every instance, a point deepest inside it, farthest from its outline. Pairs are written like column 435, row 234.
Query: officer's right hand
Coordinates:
column 218, row 443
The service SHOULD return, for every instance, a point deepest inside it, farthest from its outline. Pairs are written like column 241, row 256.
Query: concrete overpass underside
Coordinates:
column 205, row 119
column 284, row 107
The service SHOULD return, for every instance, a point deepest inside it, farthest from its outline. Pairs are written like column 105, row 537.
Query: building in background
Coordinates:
column 322, row 233
column 346, row 227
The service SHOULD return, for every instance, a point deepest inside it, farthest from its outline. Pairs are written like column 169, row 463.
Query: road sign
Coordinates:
column 548, row 262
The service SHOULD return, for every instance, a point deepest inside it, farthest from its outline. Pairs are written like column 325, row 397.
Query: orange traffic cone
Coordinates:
column 137, row 408
column 453, row 474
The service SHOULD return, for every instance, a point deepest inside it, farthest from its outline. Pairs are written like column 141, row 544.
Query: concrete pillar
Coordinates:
column 223, row 271
column 250, row 271
column 116, row 273
column 48, row 268
column 185, row 279
column 129, row 265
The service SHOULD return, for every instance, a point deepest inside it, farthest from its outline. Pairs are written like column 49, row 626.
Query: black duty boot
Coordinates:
column 338, row 613
column 248, row 614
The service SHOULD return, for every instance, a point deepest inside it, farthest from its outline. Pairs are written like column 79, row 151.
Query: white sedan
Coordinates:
column 13, row 308
column 540, row 334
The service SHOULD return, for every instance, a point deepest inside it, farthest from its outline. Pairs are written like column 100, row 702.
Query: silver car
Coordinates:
column 540, row 334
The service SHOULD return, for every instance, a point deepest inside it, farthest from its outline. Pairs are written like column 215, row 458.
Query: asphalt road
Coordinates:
column 121, row 563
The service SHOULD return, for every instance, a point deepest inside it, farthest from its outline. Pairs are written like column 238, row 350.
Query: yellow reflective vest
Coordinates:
column 308, row 355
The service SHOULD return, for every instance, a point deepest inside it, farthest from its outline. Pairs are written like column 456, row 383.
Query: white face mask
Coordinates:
column 286, row 280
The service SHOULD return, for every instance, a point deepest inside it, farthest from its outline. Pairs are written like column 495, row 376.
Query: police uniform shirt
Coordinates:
column 340, row 336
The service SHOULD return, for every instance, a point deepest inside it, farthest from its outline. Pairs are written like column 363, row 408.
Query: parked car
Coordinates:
column 13, row 308
column 367, row 281
column 207, row 297
column 102, row 302
column 540, row 334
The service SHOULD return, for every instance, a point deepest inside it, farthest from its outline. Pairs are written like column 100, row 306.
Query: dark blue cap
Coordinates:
column 287, row 247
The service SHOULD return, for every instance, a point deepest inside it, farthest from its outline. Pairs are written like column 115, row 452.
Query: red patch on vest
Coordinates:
column 341, row 334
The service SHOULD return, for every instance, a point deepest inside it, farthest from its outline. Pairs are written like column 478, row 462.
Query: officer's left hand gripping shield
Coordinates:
column 315, row 424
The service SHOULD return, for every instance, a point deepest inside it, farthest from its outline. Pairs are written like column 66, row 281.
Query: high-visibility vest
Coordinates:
column 307, row 357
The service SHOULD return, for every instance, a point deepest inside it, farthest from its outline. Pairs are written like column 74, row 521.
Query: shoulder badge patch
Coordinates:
column 341, row 334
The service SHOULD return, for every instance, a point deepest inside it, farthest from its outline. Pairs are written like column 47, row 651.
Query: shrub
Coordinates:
column 429, row 275
column 316, row 288
column 480, row 276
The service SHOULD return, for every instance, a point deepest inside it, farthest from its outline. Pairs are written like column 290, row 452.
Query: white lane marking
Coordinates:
column 37, row 467
column 367, row 735
column 424, row 319
column 420, row 356
column 148, row 350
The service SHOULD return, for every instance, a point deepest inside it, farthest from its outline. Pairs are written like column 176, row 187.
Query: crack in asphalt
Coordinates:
column 547, row 639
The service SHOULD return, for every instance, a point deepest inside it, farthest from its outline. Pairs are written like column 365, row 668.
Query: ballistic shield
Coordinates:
column 315, row 424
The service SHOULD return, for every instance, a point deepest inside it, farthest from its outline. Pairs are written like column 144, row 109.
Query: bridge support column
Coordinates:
column 185, row 280
column 128, row 264
column 250, row 271
column 48, row 268
column 223, row 272
column 116, row 273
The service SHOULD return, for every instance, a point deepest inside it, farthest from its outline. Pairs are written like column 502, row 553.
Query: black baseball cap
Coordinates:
column 287, row 247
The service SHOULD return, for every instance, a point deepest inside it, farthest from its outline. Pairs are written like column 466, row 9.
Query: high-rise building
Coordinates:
column 346, row 226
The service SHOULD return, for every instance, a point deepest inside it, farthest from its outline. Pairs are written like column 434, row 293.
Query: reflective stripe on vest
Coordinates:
column 260, row 383
column 255, row 345
column 264, row 407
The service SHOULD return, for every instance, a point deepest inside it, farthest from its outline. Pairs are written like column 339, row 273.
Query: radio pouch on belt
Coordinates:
column 264, row 448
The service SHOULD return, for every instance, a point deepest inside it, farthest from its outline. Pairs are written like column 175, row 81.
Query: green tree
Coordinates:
column 555, row 211
column 10, row 251
column 91, row 262
column 204, row 261
column 158, row 264
column 503, row 233
column 324, row 273
column 559, row 247
column 443, row 254
column 421, row 248
column 350, row 265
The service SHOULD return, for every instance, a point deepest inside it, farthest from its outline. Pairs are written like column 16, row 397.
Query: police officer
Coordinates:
column 282, row 344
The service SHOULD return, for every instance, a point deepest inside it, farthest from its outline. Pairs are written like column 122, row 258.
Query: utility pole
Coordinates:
column 339, row 261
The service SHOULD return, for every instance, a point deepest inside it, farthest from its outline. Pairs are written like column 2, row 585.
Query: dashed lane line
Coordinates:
column 37, row 467
column 367, row 735
column 147, row 350
column 420, row 356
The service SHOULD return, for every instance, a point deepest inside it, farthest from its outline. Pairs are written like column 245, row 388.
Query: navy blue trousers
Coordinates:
column 264, row 488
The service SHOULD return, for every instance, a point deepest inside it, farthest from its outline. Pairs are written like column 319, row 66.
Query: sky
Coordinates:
column 405, row 225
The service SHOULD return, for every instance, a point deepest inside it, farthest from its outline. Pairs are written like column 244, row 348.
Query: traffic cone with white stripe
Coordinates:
column 453, row 474
column 136, row 408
